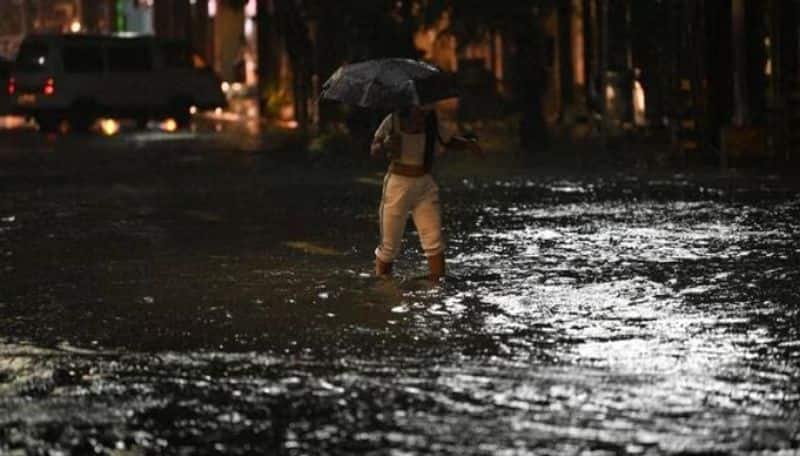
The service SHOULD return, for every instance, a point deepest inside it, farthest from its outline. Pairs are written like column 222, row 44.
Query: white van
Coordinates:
column 80, row 78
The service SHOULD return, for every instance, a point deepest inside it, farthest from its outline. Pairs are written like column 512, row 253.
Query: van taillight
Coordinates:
column 12, row 86
column 49, row 87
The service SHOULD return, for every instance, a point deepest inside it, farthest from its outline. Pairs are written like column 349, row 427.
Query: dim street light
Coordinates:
column 639, row 104
column 169, row 125
column 109, row 127
column 611, row 93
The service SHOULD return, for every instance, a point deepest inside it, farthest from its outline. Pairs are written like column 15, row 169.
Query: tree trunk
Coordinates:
column 720, row 69
column 299, row 47
column 565, row 57
column 589, row 52
column 757, row 55
column 331, row 50
column 740, row 80
column 269, row 54
column 200, row 31
column 604, row 65
column 172, row 19
column 531, row 79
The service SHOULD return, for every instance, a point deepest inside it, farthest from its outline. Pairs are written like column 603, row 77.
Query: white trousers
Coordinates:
column 418, row 196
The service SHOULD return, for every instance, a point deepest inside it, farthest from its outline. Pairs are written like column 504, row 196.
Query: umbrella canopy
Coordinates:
column 389, row 84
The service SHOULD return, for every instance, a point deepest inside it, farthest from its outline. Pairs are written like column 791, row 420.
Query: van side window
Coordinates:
column 83, row 59
column 127, row 58
column 176, row 55
column 4, row 69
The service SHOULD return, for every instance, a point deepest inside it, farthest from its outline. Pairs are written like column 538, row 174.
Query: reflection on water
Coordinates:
column 606, row 317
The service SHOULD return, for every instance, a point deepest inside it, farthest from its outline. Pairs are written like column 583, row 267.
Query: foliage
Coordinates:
column 354, row 30
column 472, row 20
column 369, row 28
column 275, row 100
column 10, row 19
column 338, row 148
column 335, row 144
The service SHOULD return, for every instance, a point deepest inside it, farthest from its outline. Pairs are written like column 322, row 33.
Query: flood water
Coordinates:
column 238, row 315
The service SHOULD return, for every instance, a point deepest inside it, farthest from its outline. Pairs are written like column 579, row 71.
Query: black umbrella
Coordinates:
column 389, row 84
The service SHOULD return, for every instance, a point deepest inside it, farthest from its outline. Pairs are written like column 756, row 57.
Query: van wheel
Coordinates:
column 48, row 123
column 180, row 111
column 82, row 116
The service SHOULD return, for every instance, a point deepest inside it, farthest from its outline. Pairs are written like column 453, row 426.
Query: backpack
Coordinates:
column 432, row 135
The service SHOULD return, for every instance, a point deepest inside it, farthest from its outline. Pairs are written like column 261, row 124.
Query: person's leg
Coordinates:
column 393, row 216
column 428, row 220
column 382, row 269
column 436, row 264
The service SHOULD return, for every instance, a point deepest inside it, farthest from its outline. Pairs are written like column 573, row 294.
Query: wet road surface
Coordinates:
column 234, row 313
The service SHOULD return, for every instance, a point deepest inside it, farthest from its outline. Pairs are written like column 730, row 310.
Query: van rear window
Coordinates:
column 83, row 59
column 32, row 57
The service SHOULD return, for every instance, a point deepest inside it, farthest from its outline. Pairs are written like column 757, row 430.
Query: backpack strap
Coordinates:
column 432, row 135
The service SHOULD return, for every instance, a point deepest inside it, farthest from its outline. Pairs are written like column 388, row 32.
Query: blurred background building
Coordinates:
column 715, row 78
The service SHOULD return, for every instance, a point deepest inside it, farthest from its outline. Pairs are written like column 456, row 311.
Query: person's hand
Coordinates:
column 476, row 148
column 470, row 143
column 375, row 148
column 381, row 146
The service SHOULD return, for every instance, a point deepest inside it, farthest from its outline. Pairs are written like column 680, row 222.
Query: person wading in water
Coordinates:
column 410, row 138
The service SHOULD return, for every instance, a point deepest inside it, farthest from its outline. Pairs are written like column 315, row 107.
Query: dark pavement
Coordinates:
column 189, row 293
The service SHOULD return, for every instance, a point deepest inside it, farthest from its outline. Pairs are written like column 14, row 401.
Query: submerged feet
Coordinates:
column 436, row 264
column 382, row 269
column 437, row 268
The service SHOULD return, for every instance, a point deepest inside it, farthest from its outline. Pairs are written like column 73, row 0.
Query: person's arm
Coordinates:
column 382, row 134
column 456, row 142
column 459, row 143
